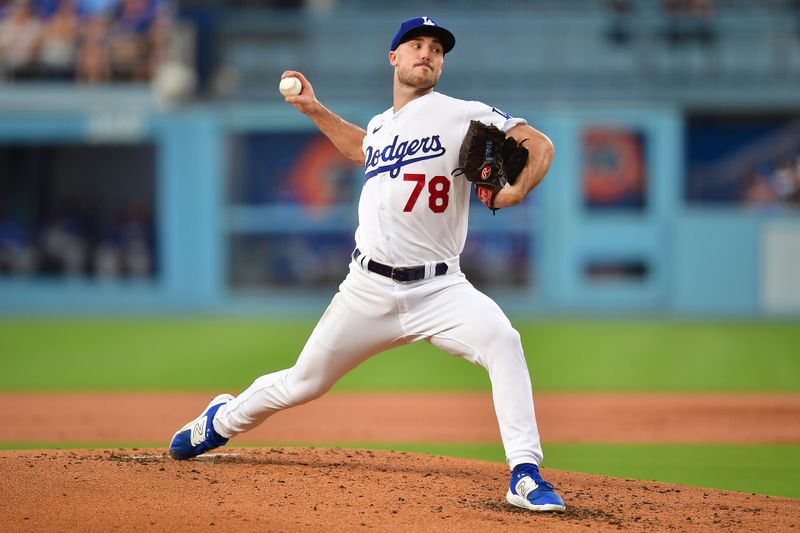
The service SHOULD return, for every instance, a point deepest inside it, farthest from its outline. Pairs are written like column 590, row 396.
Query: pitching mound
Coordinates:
column 298, row 489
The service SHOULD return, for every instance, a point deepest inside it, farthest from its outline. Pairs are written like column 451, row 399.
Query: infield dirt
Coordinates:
column 414, row 417
column 304, row 489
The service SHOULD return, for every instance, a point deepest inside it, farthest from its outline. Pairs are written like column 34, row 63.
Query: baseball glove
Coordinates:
column 489, row 159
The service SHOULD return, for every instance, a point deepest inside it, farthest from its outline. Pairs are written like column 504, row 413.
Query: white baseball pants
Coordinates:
column 372, row 313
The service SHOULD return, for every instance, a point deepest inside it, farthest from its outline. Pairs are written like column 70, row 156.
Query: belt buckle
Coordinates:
column 398, row 269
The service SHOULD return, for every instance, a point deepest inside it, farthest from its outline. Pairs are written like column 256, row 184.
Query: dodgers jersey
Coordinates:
column 412, row 209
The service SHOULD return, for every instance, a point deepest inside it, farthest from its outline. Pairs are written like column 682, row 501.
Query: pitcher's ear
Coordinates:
column 392, row 57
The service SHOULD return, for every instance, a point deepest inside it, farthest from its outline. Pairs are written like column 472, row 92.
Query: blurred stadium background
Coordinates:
column 148, row 163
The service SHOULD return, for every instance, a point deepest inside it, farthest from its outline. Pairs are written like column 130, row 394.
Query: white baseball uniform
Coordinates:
column 412, row 213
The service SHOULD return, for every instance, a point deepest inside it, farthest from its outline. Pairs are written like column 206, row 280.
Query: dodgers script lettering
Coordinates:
column 396, row 155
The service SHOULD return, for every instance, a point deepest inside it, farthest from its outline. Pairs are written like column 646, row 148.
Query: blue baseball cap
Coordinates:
column 423, row 26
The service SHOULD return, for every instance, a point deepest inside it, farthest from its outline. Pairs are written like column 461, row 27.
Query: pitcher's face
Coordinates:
column 418, row 62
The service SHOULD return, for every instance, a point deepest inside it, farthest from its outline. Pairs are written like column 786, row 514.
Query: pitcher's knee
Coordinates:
column 506, row 345
column 508, row 340
column 501, row 345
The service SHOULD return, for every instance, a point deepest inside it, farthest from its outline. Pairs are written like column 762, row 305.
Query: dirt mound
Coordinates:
column 301, row 489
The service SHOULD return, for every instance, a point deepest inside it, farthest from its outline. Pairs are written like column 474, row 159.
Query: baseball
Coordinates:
column 290, row 86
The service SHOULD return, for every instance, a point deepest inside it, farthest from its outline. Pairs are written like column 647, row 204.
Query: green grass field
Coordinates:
column 564, row 355
column 226, row 353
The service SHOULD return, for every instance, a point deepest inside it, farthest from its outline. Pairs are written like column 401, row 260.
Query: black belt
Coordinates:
column 402, row 274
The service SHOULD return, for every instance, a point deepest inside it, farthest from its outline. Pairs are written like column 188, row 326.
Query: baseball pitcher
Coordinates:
column 423, row 158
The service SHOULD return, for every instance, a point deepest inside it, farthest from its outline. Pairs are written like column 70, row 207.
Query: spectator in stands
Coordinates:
column 17, row 255
column 107, row 257
column 92, row 40
column 63, row 250
column 774, row 183
column 787, row 179
column 60, row 42
column 94, row 63
column 20, row 35
column 137, row 39
column 136, row 238
column 758, row 191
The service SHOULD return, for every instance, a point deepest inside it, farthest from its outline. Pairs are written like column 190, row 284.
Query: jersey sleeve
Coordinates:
column 492, row 116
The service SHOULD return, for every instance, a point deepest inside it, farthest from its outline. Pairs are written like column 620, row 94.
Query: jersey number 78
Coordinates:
column 438, row 190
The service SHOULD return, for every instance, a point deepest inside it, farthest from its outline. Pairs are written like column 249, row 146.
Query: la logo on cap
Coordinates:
column 428, row 22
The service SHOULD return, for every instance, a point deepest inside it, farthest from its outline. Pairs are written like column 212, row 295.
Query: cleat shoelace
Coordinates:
column 537, row 477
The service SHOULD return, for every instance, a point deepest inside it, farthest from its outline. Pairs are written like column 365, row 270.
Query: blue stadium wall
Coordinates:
column 703, row 261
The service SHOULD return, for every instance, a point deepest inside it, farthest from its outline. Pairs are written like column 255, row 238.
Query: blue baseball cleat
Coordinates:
column 198, row 436
column 529, row 491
